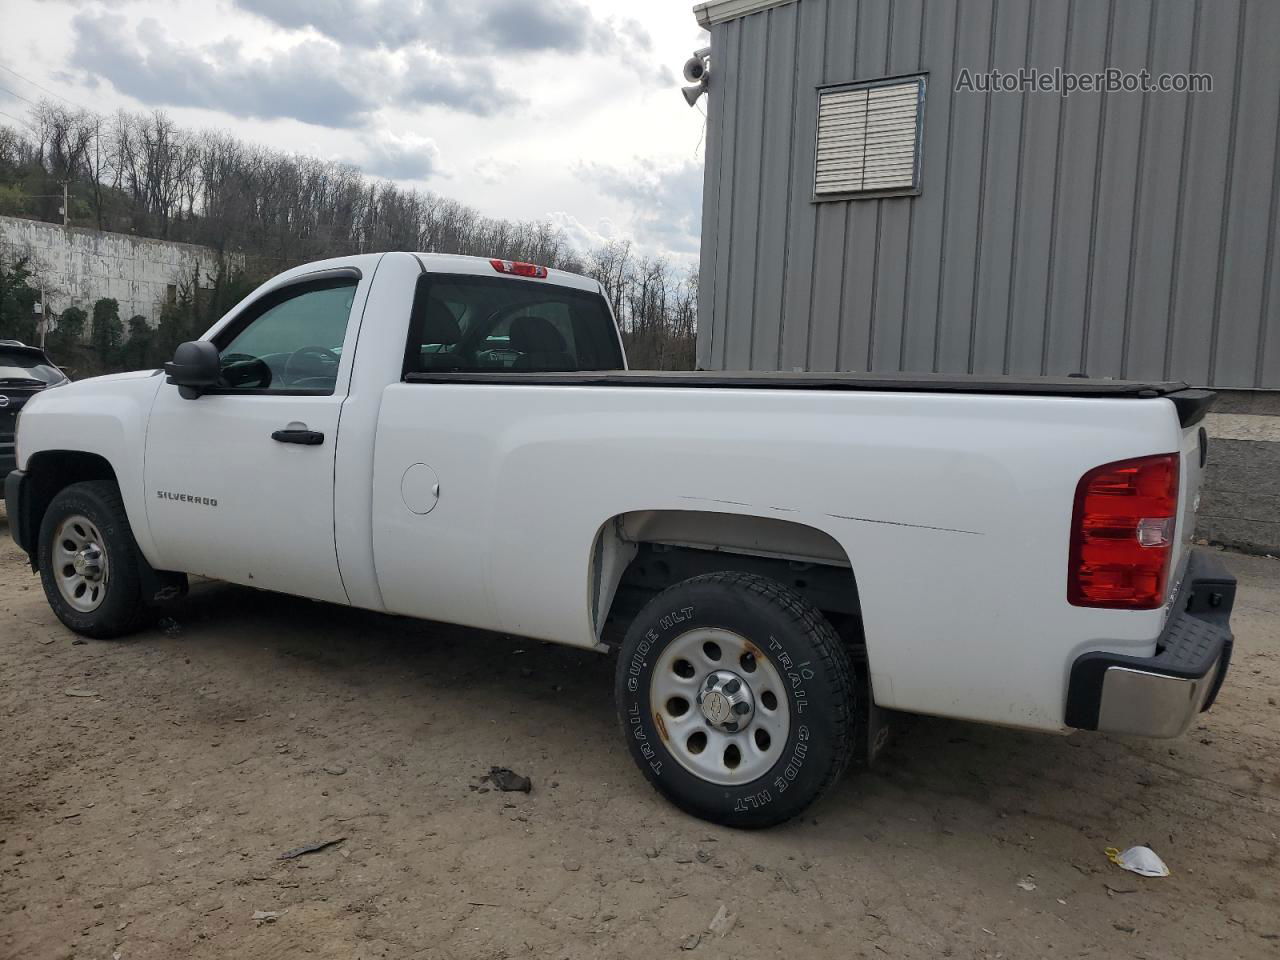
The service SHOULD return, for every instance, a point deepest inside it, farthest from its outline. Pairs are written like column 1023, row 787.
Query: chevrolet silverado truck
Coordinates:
column 775, row 560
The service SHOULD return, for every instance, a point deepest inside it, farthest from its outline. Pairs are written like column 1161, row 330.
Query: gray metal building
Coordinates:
column 1124, row 234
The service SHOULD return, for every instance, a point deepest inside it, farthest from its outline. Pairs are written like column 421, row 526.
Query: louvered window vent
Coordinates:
column 869, row 139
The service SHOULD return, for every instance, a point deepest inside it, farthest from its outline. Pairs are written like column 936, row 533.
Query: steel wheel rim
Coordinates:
column 80, row 566
column 687, row 668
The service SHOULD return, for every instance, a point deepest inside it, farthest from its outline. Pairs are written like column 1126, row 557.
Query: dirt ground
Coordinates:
column 148, row 787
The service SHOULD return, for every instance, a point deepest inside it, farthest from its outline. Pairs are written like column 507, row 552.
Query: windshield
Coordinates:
column 20, row 365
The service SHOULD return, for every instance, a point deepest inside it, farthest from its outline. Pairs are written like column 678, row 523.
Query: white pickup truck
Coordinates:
column 785, row 556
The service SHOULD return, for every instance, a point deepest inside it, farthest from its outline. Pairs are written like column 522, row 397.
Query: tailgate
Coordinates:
column 1194, row 451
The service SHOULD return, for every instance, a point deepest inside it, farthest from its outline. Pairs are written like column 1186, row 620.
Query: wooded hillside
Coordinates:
column 142, row 174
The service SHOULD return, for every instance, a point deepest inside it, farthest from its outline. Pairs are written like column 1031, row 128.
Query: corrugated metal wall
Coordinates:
column 1120, row 234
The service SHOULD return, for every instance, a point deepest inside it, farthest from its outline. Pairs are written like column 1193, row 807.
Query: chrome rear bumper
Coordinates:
column 1161, row 696
column 1151, row 704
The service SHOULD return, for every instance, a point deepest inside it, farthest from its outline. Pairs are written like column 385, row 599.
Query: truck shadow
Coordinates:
column 366, row 651
column 935, row 773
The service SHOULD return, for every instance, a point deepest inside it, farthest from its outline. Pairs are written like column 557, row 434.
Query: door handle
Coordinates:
column 308, row 438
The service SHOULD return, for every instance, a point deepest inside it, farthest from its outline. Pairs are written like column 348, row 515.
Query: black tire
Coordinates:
column 121, row 609
column 811, row 662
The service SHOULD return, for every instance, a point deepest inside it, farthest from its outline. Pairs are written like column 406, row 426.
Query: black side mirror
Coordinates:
column 194, row 368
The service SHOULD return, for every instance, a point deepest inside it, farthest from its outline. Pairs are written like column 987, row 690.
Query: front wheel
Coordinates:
column 736, row 698
column 89, row 562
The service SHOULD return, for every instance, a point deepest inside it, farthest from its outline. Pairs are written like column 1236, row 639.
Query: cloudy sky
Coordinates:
column 566, row 110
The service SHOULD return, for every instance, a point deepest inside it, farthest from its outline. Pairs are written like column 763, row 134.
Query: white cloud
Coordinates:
column 521, row 110
column 493, row 171
column 581, row 237
column 401, row 156
column 665, row 200
column 480, row 28
column 314, row 80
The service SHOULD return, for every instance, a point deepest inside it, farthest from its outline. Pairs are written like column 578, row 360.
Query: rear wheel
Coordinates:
column 736, row 699
column 89, row 562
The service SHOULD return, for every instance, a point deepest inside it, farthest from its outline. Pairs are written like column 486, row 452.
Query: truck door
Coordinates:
column 239, row 481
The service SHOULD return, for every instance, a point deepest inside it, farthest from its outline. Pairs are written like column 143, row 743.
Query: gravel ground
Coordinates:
column 148, row 787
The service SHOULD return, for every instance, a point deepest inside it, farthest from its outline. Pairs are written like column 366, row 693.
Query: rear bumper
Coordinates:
column 1161, row 696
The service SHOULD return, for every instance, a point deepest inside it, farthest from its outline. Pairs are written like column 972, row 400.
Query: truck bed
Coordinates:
column 772, row 380
column 1192, row 404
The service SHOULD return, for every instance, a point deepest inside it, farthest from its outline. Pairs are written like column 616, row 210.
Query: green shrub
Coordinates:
column 17, row 302
column 71, row 326
column 108, row 332
column 136, row 352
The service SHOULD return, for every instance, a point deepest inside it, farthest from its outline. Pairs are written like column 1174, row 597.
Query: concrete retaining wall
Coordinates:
column 79, row 266
column 1240, row 498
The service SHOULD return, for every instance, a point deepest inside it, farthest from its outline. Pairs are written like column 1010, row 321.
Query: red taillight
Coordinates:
column 1122, row 533
column 519, row 268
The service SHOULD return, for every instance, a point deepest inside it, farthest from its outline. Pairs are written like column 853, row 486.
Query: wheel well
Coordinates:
column 663, row 547
column 52, row 470
column 638, row 555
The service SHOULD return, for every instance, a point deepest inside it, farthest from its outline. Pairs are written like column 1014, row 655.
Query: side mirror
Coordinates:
column 194, row 368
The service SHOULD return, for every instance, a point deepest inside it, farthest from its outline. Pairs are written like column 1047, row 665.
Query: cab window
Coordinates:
column 465, row 324
column 290, row 341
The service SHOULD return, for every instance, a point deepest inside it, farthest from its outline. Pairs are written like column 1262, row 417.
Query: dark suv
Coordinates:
column 24, row 372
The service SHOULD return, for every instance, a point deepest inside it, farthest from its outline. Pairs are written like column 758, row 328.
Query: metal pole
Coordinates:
column 66, row 209
column 44, row 316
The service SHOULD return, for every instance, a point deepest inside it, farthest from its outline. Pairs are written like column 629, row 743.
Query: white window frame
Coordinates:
column 901, row 190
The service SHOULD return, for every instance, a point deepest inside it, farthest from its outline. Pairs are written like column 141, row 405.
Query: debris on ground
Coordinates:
column 573, row 866
column 722, row 922
column 45, row 640
column 335, row 769
column 508, row 781
column 1140, row 860
column 310, row 848
column 265, row 916
column 77, row 692
column 691, row 941
column 1027, row 883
